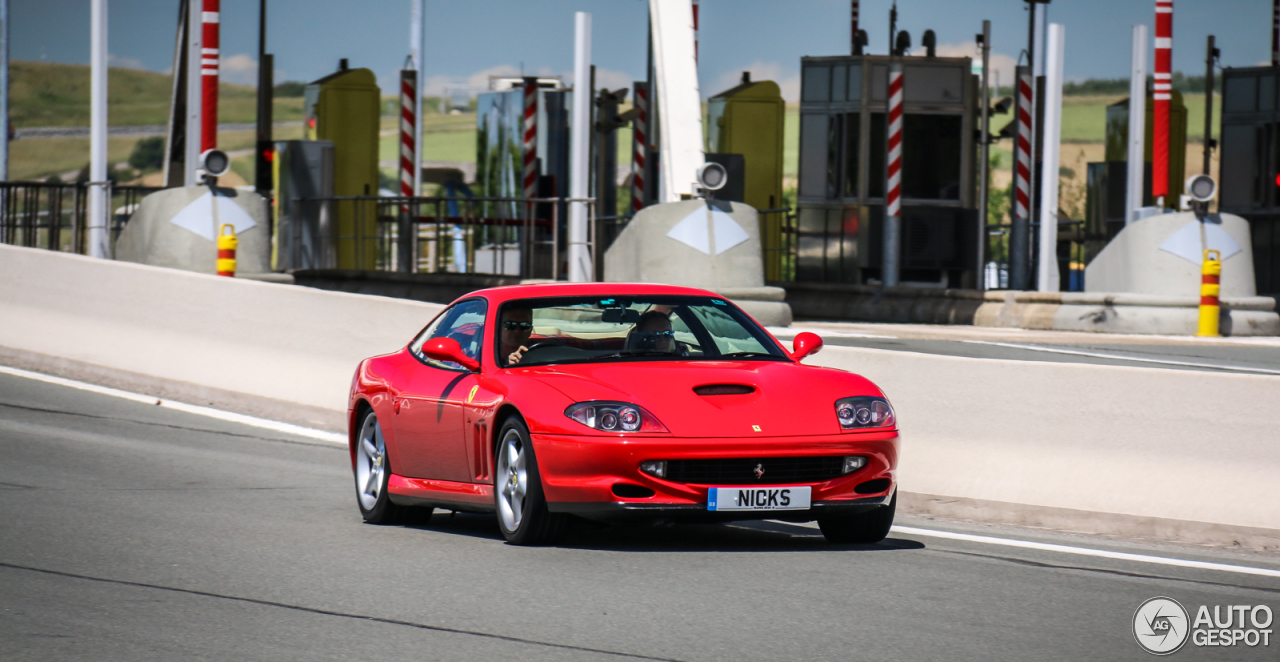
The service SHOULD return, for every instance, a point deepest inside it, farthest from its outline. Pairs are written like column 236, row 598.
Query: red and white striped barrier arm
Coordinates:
column 695, row 31
column 1160, row 94
column 1022, row 155
column 639, row 138
column 894, row 202
column 530, row 138
column 209, row 56
column 408, row 132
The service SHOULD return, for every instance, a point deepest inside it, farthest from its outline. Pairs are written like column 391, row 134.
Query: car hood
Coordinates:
column 789, row 399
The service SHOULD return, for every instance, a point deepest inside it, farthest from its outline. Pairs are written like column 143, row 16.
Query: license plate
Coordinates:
column 758, row 498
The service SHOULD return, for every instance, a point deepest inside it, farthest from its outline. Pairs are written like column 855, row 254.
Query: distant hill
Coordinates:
column 54, row 94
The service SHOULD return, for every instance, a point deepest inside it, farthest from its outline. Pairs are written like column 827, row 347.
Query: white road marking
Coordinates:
column 287, row 428
column 1121, row 357
column 1086, row 551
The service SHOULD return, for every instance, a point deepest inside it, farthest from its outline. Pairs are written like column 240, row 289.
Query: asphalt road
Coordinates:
column 134, row 532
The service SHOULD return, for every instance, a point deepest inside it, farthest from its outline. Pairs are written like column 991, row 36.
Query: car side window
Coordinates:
column 464, row 322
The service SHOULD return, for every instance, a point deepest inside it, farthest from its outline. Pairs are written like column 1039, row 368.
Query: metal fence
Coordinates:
column 495, row 235
column 55, row 216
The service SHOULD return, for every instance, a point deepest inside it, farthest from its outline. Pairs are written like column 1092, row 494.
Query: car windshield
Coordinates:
column 631, row 328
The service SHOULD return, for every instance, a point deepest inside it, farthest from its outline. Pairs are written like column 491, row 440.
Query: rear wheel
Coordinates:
column 863, row 528
column 372, row 472
column 517, row 491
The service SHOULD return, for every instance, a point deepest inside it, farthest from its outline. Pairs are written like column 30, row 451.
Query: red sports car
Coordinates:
column 611, row 402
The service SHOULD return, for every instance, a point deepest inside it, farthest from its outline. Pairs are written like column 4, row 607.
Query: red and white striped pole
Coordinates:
column 209, row 56
column 695, row 30
column 1163, row 85
column 853, row 26
column 893, row 198
column 1023, row 165
column 408, row 132
column 1275, row 33
column 530, row 137
column 639, row 138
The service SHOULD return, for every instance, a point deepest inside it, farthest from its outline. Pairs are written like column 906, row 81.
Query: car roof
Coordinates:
column 541, row 290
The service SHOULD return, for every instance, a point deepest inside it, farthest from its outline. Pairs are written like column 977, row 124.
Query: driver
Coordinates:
column 653, row 332
column 516, row 327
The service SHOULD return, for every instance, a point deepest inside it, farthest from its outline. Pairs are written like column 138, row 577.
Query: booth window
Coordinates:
column 931, row 157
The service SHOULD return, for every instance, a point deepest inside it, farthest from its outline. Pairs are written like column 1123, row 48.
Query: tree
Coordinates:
column 148, row 154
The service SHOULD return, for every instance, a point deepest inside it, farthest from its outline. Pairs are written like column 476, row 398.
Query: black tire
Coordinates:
column 864, row 528
column 372, row 472
column 535, row 525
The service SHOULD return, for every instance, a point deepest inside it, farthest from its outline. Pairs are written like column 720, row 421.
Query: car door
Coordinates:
column 429, row 419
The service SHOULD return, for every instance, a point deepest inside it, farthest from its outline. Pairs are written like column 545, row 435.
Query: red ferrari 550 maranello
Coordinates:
column 611, row 402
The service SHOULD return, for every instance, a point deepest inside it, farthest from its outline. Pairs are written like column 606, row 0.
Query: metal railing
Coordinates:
column 503, row 236
column 55, row 216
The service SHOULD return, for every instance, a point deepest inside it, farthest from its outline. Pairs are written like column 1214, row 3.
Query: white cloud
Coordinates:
column 243, row 70
column 788, row 80
column 121, row 62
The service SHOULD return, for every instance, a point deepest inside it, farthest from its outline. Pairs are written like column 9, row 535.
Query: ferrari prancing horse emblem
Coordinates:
column 759, row 471
column 472, row 395
column 755, row 428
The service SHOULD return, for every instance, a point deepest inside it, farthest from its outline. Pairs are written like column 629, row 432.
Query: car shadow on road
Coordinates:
column 746, row 536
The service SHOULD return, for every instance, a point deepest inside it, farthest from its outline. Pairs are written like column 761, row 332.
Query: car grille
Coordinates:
column 742, row 471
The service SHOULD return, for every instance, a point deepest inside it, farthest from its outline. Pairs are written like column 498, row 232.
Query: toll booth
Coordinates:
column 1250, row 164
column 1107, row 180
column 745, row 134
column 841, row 192
column 344, row 108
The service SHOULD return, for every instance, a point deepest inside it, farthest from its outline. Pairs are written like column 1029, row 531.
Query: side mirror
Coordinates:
column 448, row 349
column 805, row 344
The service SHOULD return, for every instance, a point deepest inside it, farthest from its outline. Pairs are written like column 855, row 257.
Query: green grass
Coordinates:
column 1084, row 119
column 52, row 94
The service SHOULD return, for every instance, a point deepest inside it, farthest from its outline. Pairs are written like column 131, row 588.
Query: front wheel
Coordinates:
column 372, row 472
column 517, row 491
column 863, row 528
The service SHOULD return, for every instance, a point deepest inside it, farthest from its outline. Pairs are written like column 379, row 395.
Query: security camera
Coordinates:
column 215, row 162
column 712, row 176
column 1201, row 188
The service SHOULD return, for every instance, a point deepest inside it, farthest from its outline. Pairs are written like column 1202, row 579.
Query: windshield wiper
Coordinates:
column 749, row 354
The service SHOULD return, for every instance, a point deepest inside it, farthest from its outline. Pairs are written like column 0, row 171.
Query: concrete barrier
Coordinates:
column 1141, row 442
column 1185, row 455
column 293, row 345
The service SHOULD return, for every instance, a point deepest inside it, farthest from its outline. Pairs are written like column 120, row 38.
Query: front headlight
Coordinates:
column 614, row 417
column 864, row 412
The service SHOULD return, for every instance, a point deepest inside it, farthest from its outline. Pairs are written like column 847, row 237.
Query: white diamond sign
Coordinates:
column 1185, row 243
column 198, row 216
column 694, row 231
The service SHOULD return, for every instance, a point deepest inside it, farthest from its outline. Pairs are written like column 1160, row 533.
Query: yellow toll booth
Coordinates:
column 748, row 120
column 345, row 109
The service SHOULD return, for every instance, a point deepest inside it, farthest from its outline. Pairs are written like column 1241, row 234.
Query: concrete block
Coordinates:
column 152, row 238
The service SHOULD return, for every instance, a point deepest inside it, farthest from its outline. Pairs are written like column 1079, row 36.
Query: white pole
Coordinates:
column 98, row 238
column 416, row 46
column 4, row 90
column 679, row 106
column 1048, row 280
column 1137, row 125
column 580, row 267
column 195, row 53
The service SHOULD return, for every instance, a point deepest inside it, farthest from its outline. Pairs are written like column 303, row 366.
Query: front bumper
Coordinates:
column 579, row 473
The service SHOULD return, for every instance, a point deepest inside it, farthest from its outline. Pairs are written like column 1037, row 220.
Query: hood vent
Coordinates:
column 724, row 389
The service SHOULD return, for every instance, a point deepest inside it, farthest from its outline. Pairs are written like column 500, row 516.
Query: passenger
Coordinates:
column 652, row 333
column 516, row 327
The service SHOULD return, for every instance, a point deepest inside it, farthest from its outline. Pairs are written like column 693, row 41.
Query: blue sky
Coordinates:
column 467, row 40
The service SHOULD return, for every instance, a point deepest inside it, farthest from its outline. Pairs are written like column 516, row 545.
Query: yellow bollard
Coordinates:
column 227, row 251
column 1209, row 290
